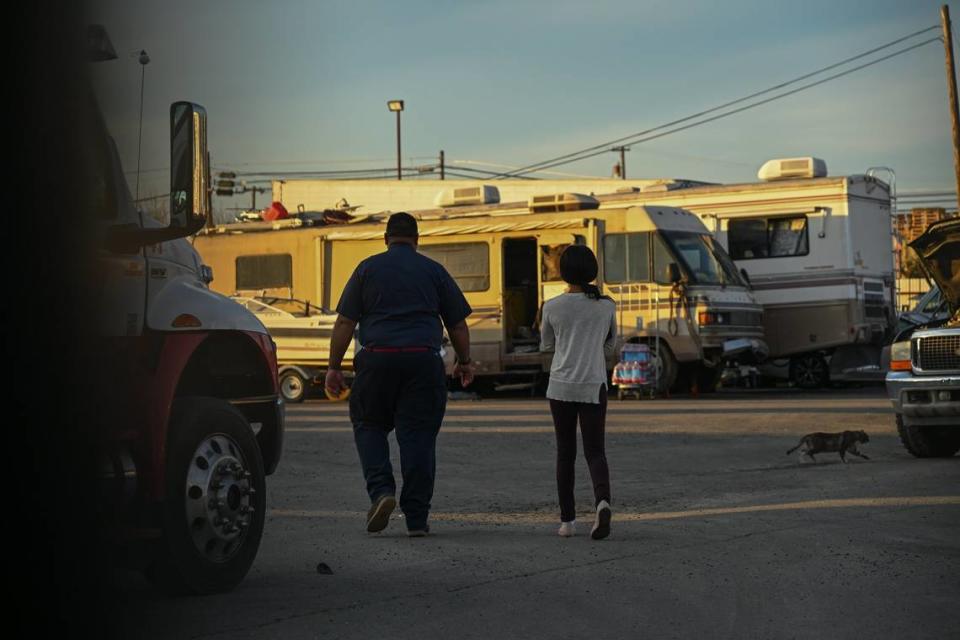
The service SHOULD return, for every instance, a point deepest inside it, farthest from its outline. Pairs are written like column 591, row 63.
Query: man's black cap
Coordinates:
column 402, row 225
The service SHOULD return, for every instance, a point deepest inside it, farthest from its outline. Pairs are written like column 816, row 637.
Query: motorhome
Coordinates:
column 818, row 254
column 674, row 285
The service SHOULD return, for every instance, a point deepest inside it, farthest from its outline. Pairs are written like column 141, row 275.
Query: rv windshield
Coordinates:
column 703, row 258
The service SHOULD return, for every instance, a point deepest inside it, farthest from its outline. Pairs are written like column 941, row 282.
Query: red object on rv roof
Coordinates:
column 275, row 211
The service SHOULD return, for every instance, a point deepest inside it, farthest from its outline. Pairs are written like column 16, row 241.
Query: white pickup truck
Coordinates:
column 924, row 377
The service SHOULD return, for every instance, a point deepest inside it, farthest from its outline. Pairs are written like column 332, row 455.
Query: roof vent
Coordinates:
column 483, row 194
column 788, row 168
column 562, row 202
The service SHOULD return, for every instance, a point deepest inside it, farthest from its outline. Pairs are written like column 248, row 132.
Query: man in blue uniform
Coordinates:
column 399, row 298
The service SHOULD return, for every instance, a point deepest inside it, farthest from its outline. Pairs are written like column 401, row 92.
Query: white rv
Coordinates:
column 818, row 253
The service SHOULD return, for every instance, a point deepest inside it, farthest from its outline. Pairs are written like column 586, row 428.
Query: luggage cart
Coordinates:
column 635, row 374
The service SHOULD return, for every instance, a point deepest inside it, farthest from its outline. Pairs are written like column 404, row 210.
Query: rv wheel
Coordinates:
column 212, row 516
column 666, row 367
column 292, row 386
column 809, row 371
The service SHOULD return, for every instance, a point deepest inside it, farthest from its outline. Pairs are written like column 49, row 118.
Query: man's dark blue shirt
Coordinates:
column 399, row 297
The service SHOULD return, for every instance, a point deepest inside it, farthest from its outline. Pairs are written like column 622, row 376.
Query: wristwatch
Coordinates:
column 457, row 360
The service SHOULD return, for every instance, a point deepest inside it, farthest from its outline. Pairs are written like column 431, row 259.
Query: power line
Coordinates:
column 634, row 140
column 483, row 172
column 515, row 167
column 555, row 161
column 343, row 161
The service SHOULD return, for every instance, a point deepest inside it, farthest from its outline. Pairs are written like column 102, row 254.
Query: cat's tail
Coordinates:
column 795, row 448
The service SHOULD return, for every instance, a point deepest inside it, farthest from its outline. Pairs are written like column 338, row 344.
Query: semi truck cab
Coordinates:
column 195, row 421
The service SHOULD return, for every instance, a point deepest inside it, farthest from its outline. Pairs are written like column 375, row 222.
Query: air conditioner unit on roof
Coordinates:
column 458, row 197
column 789, row 168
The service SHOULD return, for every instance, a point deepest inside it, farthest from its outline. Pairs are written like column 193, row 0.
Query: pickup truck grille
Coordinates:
column 938, row 353
column 746, row 318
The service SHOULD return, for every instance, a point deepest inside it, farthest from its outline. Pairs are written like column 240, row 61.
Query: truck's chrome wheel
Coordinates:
column 219, row 498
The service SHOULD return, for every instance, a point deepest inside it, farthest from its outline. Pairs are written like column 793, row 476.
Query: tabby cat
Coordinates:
column 829, row 442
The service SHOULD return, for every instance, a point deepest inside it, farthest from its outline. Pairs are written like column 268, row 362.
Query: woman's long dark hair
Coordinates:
column 578, row 266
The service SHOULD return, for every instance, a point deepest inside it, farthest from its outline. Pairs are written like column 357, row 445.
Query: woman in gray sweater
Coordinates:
column 580, row 327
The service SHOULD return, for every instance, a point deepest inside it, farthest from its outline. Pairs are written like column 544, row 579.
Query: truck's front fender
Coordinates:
column 212, row 311
column 180, row 370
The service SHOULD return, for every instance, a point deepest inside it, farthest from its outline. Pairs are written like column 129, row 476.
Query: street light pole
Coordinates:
column 144, row 61
column 397, row 106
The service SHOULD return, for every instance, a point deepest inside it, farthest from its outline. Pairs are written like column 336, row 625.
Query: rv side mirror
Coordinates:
column 673, row 272
column 189, row 168
column 746, row 276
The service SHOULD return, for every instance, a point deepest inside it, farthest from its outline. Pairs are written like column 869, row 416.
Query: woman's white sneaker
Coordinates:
column 567, row 529
column 601, row 526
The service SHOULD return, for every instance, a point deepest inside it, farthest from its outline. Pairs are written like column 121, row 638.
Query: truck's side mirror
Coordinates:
column 746, row 277
column 189, row 167
column 673, row 272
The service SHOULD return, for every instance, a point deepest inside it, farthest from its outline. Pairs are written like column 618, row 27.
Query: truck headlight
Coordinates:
column 900, row 356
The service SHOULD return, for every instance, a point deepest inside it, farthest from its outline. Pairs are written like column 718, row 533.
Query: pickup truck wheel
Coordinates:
column 809, row 371
column 293, row 387
column 213, row 514
column 929, row 442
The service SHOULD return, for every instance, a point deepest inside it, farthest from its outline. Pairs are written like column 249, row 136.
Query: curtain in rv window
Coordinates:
column 773, row 237
column 626, row 257
column 467, row 262
column 265, row 272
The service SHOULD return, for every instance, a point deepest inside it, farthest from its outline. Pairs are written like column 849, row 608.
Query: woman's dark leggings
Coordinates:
column 592, row 419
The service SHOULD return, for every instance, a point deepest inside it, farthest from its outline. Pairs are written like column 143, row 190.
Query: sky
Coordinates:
column 302, row 86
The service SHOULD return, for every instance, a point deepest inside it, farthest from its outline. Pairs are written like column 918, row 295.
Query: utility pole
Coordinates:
column 623, row 160
column 442, row 166
column 952, row 89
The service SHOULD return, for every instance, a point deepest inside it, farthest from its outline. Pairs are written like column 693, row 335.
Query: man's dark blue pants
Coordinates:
column 405, row 391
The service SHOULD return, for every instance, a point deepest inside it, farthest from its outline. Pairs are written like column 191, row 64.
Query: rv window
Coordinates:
column 264, row 272
column 467, row 262
column 778, row 237
column 626, row 257
column 701, row 257
column 661, row 261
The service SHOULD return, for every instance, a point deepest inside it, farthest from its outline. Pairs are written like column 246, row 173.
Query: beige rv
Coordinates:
column 674, row 286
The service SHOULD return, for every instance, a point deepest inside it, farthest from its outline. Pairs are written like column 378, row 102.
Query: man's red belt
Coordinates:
column 398, row 349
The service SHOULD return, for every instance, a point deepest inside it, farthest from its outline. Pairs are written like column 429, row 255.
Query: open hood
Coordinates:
column 939, row 251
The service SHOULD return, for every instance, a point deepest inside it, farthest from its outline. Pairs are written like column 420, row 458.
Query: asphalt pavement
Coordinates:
column 716, row 533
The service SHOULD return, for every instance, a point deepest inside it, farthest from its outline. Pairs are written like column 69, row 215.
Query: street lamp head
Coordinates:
column 395, row 105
